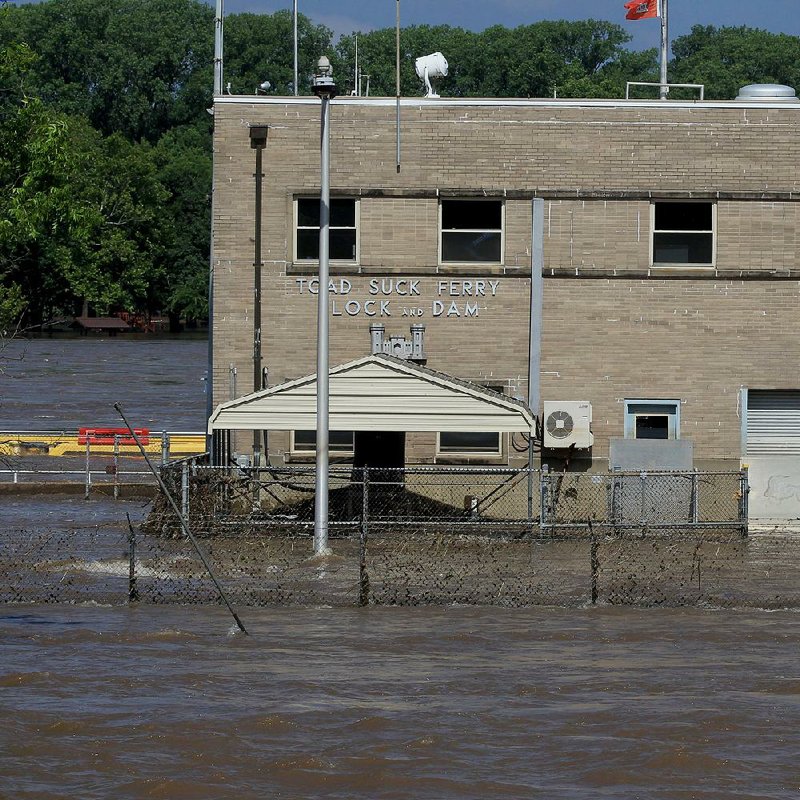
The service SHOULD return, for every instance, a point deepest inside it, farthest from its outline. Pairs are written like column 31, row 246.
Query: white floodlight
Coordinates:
column 432, row 66
column 263, row 88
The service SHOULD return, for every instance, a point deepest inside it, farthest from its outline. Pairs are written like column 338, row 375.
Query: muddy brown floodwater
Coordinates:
column 166, row 702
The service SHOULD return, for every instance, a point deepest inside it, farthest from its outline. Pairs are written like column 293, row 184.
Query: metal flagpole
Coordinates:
column 664, row 89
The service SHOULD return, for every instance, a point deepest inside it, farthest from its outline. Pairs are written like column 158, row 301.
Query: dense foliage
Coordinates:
column 105, row 143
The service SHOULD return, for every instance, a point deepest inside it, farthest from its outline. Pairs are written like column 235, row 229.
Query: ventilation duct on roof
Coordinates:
column 767, row 93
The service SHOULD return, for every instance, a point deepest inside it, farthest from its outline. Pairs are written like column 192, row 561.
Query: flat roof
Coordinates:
column 506, row 102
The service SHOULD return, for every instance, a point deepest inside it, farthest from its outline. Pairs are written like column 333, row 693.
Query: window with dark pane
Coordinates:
column 338, row 441
column 683, row 233
column 469, row 442
column 342, row 230
column 472, row 231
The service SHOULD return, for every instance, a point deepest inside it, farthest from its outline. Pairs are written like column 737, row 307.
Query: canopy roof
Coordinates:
column 377, row 393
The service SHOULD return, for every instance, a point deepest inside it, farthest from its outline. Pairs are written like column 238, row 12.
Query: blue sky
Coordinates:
column 346, row 16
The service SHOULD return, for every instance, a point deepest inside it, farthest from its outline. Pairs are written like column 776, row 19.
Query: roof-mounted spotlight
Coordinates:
column 323, row 84
column 432, row 66
column 263, row 88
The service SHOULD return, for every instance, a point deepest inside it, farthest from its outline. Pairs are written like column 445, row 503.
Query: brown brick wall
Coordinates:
column 698, row 337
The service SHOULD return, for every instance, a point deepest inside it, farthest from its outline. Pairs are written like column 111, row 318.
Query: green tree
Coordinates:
column 184, row 170
column 79, row 213
column 725, row 59
column 130, row 66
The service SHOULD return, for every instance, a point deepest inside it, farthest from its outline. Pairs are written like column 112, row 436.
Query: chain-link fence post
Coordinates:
column 164, row 448
column 643, row 513
column 116, row 466
column 363, row 576
column 695, row 498
column 744, row 496
column 88, row 476
column 185, row 491
column 544, row 483
column 133, row 592
column 594, row 564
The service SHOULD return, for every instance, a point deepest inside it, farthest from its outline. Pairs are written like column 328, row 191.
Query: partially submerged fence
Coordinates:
column 428, row 535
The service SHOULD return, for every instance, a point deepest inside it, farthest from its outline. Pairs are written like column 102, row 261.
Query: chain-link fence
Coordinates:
column 628, row 501
column 421, row 536
column 269, row 568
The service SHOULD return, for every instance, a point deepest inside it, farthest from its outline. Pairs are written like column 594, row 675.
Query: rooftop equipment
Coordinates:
column 432, row 66
column 767, row 93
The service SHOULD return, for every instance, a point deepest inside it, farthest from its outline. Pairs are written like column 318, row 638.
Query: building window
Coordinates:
column 469, row 443
column 471, row 231
column 683, row 233
column 343, row 229
column 340, row 443
column 652, row 419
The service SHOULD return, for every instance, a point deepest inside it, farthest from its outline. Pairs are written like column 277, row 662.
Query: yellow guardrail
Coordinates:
column 68, row 444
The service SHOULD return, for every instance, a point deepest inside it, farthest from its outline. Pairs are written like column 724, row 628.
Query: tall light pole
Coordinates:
column 324, row 88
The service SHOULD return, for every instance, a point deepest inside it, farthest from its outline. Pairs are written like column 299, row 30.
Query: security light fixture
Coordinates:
column 432, row 66
column 263, row 88
column 323, row 84
column 258, row 136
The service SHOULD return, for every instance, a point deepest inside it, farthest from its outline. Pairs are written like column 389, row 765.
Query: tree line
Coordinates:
column 105, row 139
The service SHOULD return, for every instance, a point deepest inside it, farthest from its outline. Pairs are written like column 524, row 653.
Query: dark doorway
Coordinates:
column 381, row 449
column 383, row 453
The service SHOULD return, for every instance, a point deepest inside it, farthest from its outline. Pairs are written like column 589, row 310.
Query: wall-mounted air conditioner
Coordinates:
column 567, row 423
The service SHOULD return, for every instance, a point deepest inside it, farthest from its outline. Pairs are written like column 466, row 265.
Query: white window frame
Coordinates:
column 501, row 261
column 311, row 451
column 296, row 227
column 636, row 408
column 683, row 264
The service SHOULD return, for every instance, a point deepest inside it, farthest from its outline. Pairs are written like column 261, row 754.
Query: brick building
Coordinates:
column 671, row 238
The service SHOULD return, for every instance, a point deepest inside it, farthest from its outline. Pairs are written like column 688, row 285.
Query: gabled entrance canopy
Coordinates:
column 378, row 393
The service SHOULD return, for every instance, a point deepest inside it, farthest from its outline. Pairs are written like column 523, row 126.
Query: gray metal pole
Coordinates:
column 663, row 90
column 294, row 18
column 535, row 342
column 537, row 292
column 219, row 17
column 397, row 80
column 321, row 496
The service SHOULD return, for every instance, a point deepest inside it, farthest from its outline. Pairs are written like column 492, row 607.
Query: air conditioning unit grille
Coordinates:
column 559, row 424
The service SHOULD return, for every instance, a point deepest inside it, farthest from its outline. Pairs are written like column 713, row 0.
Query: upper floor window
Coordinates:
column 343, row 229
column 471, row 231
column 683, row 233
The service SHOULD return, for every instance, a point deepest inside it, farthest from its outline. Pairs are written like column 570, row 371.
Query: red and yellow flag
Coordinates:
column 643, row 9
